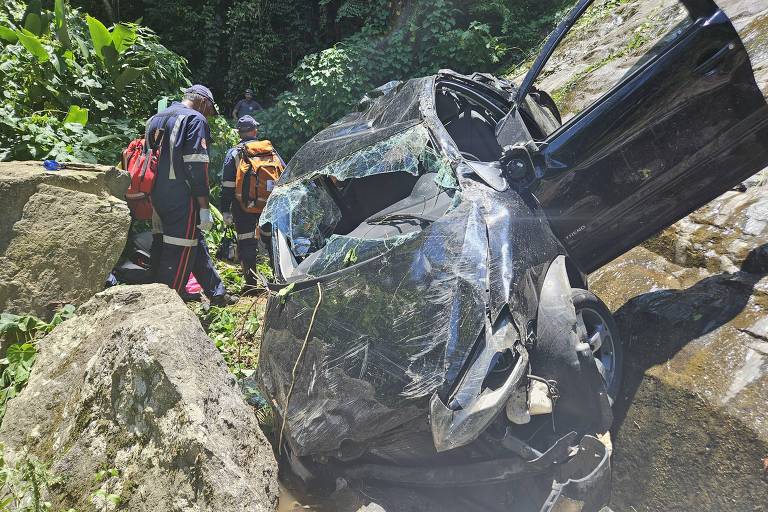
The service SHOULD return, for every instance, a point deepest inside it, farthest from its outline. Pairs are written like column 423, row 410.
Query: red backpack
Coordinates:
column 141, row 163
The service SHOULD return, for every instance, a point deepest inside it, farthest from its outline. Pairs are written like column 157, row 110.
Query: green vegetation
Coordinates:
column 236, row 331
column 424, row 37
column 104, row 498
column 22, row 485
column 25, row 482
column 312, row 60
column 19, row 335
column 74, row 89
column 80, row 77
column 79, row 86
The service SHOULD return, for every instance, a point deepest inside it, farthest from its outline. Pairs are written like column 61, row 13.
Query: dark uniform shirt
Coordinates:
column 246, row 107
column 183, row 165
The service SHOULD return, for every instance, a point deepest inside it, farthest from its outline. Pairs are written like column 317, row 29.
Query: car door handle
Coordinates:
column 710, row 62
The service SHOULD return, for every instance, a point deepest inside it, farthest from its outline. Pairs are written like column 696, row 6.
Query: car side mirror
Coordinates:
column 518, row 162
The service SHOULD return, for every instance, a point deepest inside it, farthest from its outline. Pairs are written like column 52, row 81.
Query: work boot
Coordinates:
column 224, row 300
column 189, row 297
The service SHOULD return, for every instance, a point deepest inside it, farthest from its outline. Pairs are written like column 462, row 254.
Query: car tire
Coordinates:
column 603, row 334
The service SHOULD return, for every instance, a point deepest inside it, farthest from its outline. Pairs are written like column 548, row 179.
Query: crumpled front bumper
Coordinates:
column 568, row 477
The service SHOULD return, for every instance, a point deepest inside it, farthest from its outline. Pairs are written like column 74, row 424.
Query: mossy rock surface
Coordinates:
column 691, row 426
column 60, row 234
column 132, row 385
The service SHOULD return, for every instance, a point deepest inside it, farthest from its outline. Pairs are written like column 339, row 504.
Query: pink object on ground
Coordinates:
column 193, row 287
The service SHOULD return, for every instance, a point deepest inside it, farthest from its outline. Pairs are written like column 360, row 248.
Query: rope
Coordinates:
column 296, row 367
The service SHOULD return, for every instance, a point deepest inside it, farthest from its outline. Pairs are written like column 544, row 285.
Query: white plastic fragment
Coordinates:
column 539, row 401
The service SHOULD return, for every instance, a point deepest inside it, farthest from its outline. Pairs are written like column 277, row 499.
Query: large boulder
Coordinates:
column 727, row 234
column 133, row 384
column 60, row 234
column 691, row 426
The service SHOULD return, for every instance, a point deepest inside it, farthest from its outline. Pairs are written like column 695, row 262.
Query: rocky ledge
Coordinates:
column 60, row 234
column 691, row 427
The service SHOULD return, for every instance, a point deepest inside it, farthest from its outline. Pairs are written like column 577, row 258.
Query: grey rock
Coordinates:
column 750, row 18
column 727, row 234
column 691, row 425
column 133, row 383
column 60, row 234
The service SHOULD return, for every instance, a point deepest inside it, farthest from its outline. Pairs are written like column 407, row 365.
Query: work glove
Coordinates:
column 206, row 219
column 228, row 220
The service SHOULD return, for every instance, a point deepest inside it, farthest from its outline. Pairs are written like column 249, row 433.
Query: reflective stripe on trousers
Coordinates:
column 181, row 242
column 246, row 236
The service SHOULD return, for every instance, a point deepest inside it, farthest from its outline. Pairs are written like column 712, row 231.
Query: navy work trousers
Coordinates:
column 246, row 225
column 184, row 250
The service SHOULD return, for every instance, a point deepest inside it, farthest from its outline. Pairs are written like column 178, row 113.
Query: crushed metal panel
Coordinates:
column 306, row 213
column 387, row 332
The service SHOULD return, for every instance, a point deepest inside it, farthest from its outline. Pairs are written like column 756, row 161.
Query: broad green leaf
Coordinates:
column 7, row 321
column 58, row 64
column 19, row 352
column 82, row 45
column 31, row 324
column 33, row 45
column 33, row 23
column 126, row 77
column 21, row 325
column 102, row 105
column 77, row 115
column 60, row 22
column 100, row 36
column 8, row 34
column 123, row 36
column 110, row 57
column 45, row 22
column 21, row 375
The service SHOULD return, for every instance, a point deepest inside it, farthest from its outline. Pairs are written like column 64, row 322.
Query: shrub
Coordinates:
column 74, row 89
column 20, row 334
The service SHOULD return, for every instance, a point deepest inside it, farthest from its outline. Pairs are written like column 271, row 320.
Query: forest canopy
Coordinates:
column 84, row 75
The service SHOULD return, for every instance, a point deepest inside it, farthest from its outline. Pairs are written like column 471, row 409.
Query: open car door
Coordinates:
column 686, row 123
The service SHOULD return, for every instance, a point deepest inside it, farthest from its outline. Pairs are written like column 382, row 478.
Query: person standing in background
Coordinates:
column 241, row 202
column 246, row 106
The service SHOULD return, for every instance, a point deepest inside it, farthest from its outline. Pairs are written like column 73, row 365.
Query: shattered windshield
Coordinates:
column 393, row 112
column 308, row 210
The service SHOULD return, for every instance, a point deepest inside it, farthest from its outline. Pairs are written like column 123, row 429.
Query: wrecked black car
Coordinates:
column 431, row 324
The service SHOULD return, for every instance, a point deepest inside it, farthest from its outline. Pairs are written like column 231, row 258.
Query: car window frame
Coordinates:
column 558, row 38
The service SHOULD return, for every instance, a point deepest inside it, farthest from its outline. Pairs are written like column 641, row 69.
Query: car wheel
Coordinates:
column 603, row 336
